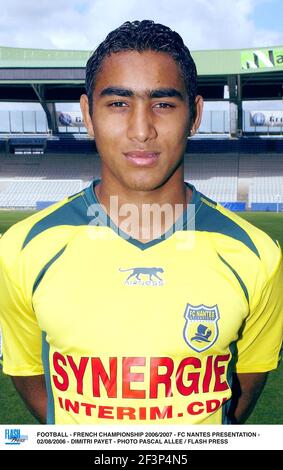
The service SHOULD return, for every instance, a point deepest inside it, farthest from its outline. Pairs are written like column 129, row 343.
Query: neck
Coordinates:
column 146, row 214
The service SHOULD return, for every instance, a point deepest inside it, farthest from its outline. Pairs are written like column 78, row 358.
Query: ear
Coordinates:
column 198, row 115
column 86, row 116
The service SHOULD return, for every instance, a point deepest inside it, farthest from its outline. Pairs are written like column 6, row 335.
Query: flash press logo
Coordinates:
column 13, row 437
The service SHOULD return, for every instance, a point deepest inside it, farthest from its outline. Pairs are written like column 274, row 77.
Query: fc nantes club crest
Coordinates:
column 201, row 328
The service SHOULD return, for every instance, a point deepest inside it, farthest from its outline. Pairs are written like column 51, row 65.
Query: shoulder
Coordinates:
column 43, row 231
column 234, row 234
column 268, row 249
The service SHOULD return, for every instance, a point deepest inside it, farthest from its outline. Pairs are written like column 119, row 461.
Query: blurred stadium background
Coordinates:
column 236, row 158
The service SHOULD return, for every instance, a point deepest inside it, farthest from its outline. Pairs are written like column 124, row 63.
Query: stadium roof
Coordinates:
column 58, row 75
column 211, row 62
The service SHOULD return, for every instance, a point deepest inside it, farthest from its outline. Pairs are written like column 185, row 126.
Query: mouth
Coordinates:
column 142, row 158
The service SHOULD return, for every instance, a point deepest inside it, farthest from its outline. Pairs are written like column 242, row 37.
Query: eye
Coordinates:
column 117, row 104
column 164, row 105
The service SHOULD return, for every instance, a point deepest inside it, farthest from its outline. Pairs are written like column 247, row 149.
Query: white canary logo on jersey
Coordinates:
column 150, row 276
column 201, row 327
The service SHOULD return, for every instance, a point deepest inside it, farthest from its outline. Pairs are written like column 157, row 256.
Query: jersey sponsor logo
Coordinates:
column 104, row 388
column 144, row 276
column 201, row 327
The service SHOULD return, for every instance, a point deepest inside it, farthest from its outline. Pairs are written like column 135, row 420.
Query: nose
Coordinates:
column 141, row 126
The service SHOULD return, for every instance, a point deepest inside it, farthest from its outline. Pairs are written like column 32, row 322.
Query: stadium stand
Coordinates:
column 53, row 166
column 263, row 175
column 239, row 173
column 237, row 158
column 70, row 144
column 2, row 146
column 266, row 192
column 30, row 193
column 214, row 175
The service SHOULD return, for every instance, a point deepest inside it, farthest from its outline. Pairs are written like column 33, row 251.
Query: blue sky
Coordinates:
column 82, row 24
column 269, row 14
column 81, row 7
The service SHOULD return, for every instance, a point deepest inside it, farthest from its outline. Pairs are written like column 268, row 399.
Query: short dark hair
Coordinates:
column 143, row 36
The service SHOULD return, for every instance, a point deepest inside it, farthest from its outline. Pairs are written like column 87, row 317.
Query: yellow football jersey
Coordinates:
column 130, row 332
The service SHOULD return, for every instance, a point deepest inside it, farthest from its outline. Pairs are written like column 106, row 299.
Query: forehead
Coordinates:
column 139, row 70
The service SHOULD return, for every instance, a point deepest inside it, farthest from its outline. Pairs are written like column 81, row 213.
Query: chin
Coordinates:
column 145, row 183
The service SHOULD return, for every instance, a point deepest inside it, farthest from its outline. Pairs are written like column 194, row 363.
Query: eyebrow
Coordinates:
column 156, row 93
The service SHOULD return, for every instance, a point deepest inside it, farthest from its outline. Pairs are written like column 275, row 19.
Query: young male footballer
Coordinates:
column 139, row 299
